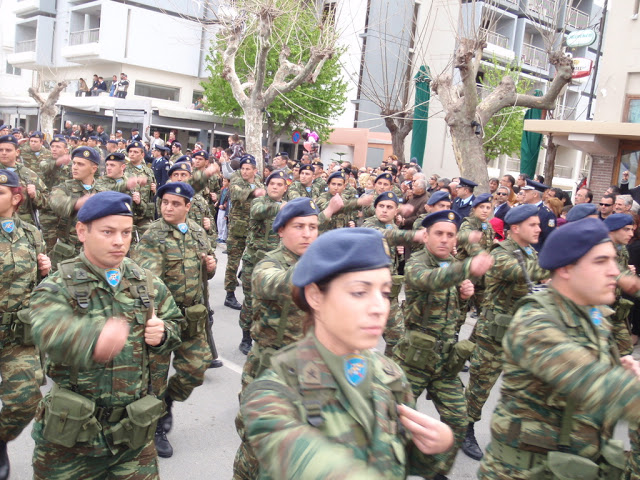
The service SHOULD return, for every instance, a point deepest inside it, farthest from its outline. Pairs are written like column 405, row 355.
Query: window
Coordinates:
column 196, row 100
column 632, row 109
column 11, row 70
column 157, row 91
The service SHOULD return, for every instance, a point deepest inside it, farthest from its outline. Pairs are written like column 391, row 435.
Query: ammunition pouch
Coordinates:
column 623, row 308
column 196, row 317
column 460, row 353
column 396, row 285
column 68, row 418
column 238, row 227
column 62, row 251
column 424, row 350
column 498, row 324
column 19, row 327
column 139, row 426
column 265, row 360
column 566, row 466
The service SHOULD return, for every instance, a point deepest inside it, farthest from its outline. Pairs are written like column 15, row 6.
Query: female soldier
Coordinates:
column 329, row 407
column 22, row 265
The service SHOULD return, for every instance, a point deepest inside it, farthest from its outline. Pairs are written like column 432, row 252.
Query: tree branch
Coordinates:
column 234, row 37
column 266, row 19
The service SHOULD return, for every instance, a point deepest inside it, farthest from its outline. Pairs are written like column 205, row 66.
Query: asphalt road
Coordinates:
column 204, row 437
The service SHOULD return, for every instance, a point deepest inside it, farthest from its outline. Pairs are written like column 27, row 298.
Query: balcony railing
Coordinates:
column 545, row 8
column 534, row 56
column 495, row 38
column 513, row 164
column 26, row 46
column 563, row 171
column 84, row 36
column 564, row 112
column 577, row 18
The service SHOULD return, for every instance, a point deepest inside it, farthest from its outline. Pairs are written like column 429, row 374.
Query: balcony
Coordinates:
column 495, row 38
column 577, row 18
column 26, row 8
column 83, row 45
column 25, row 46
column 33, row 43
column 534, row 57
column 545, row 10
column 84, row 36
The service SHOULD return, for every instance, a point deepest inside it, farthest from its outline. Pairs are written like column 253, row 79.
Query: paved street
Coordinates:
column 204, row 437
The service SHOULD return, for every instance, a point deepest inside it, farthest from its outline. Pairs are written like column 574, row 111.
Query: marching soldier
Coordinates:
column 55, row 170
column 304, row 187
column 143, row 204
column 347, row 216
column 35, row 152
column 439, row 200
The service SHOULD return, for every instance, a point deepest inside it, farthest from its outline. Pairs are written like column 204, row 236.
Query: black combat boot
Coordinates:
column 215, row 363
column 167, row 419
column 4, row 461
column 163, row 447
column 245, row 344
column 231, row 301
column 439, row 476
column 470, row 445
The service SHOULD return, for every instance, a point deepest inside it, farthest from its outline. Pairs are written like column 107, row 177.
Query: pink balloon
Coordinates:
column 307, row 146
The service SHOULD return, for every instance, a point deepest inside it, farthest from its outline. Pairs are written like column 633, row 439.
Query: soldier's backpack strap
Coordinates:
column 77, row 282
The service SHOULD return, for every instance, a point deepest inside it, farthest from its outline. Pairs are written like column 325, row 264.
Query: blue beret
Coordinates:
column 616, row 221
column 135, row 144
column 115, row 157
column 76, row 139
column 9, row 139
column 393, row 169
column 201, row 153
column 439, row 196
column 467, row 183
column 15, row 130
column 248, row 159
column 298, row 207
column 282, row 154
column 386, row 196
column 520, row 213
column 9, row 178
column 104, row 204
column 180, row 166
column 58, row 138
column 112, row 141
column 184, row 158
column 341, row 251
column 338, row 174
column 580, row 211
column 275, row 175
column 384, row 176
column 533, row 185
column 94, row 137
column 37, row 134
column 442, row 216
column 176, row 144
column 306, row 167
column 5, row 127
column 482, row 198
column 566, row 245
column 177, row 188
column 87, row 153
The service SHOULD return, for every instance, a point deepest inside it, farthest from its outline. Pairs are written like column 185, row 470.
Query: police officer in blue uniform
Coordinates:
column 463, row 202
column 160, row 165
column 533, row 195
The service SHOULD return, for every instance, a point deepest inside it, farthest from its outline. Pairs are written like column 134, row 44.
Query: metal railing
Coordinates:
column 513, row 164
column 564, row 112
column 563, row 171
column 84, row 36
column 534, row 56
column 545, row 8
column 26, row 46
column 577, row 18
column 495, row 38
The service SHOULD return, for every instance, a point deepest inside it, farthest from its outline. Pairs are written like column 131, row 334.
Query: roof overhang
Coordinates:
column 597, row 138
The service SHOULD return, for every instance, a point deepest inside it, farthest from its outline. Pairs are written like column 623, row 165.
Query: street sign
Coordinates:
column 582, row 67
column 295, row 137
column 581, row 38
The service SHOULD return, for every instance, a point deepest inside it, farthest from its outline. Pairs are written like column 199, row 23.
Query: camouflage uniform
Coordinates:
column 505, row 285
column 428, row 353
column 622, row 307
column 19, row 361
column 560, row 362
column 68, row 311
column 143, row 213
column 176, row 258
column 29, row 206
column 261, row 240
column 305, row 421
column 207, row 186
column 52, row 175
column 297, row 189
column 32, row 160
column 348, row 213
column 277, row 322
column 105, row 183
column 241, row 193
column 320, row 185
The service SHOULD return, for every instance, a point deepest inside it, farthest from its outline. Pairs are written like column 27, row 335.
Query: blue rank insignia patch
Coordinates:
column 596, row 316
column 183, row 227
column 355, row 369
column 528, row 250
column 444, row 264
column 484, row 226
column 113, row 277
column 8, row 226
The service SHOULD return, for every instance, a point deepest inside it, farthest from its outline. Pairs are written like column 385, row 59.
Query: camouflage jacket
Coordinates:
column 241, row 194
column 281, row 407
column 348, row 213
column 297, row 189
column 105, row 183
column 31, row 159
column 18, row 265
column 470, row 224
column 554, row 351
column 277, row 321
column 52, row 174
column 30, row 205
column 505, row 282
column 393, row 236
column 206, row 185
column 261, row 237
column 175, row 258
column 199, row 210
column 320, row 184
column 67, row 333
column 144, row 212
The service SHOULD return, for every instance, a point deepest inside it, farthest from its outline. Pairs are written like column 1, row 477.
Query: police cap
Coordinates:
column 467, row 183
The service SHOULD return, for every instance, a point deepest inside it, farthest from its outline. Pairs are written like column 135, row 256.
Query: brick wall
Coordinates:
column 601, row 172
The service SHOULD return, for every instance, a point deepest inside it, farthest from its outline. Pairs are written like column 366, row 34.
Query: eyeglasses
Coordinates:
column 501, row 194
column 606, row 204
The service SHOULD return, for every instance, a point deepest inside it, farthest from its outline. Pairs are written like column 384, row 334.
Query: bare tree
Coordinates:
column 271, row 24
column 466, row 114
column 48, row 108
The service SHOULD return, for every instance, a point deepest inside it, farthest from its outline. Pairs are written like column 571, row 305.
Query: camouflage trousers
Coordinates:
column 246, row 314
column 235, row 249
column 190, row 361
column 632, row 471
column 620, row 327
column 486, row 367
column 49, row 223
column 492, row 468
column 55, row 462
column 394, row 330
column 447, row 394
column 20, row 388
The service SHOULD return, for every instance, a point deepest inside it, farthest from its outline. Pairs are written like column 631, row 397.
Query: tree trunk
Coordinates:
column 253, row 133
column 467, row 147
column 397, row 143
column 550, row 161
column 48, row 108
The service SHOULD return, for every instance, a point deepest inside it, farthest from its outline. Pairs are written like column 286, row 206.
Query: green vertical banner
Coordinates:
column 421, row 113
column 530, row 144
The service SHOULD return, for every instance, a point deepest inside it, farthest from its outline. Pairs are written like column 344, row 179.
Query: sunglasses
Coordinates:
column 501, row 194
column 606, row 204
